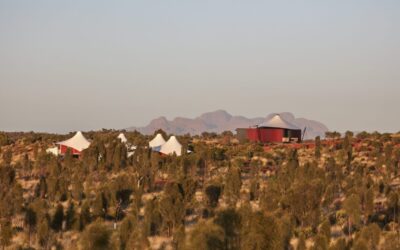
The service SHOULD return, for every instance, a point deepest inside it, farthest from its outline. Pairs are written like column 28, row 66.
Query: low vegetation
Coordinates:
column 335, row 193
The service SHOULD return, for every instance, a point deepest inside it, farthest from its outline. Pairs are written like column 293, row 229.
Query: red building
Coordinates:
column 275, row 130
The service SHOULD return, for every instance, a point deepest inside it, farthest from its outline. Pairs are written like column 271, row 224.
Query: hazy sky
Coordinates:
column 69, row 65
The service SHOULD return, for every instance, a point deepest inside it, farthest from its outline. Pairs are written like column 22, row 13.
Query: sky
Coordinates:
column 71, row 65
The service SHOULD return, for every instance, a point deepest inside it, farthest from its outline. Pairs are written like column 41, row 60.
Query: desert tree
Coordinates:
column 119, row 156
column 271, row 196
column 230, row 221
column 77, row 191
column 128, row 224
column 179, row 238
column 71, row 219
column 96, row 237
column 393, row 201
column 261, row 232
column 188, row 186
column 287, row 172
column 368, row 204
column 213, row 192
column 26, row 164
column 172, row 207
column 232, row 186
column 360, row 244
column 206, row 236
column 304, row 199
column 6, row 233
column 7, row 156
column 58, row 218
column 287, row 228
column 30, row 220
column 317, row 152
column 54, row 167
column 4, row 140
column 392, row 242
column 138, row 239
column 254, row 188
column 320, row 242
column 352, row 207
column 43, row 232
column 85, row 216
column 301, row 244
column 371, row 235
column 152, row 221
column 332, row 134
column 325, row 230
column 100, row 205
column 339, row 244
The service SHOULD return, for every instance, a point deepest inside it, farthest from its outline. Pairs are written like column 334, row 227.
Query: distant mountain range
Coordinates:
column 220, row 121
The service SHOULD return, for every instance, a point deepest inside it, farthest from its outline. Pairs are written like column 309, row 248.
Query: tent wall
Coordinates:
column 295, row 134
column 241, row 135
column 253, row 134
column 63, row 150
column 265, row 135
column 271, row 134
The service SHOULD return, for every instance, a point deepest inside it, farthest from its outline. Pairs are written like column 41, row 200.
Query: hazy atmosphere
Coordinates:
column 82, row 65
column 200, row 125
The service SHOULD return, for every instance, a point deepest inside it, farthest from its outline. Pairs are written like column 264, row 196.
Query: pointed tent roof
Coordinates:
column 122, row 138
column 278, row 122
column 172, row 146
column 78, row 142
column 157, row 141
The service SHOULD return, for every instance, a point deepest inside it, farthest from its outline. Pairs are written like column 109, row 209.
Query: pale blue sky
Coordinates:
column 69, row 65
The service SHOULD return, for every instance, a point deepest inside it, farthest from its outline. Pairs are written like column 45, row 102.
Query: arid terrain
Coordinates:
column 340, row 192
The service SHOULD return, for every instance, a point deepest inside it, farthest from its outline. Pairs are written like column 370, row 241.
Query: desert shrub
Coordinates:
column 96, row 236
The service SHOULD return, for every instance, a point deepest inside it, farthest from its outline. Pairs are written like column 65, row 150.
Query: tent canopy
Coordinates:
column 53, row 150
column 172, row 146
column 78, row 142
column 278, row 122
column 122, row 138
column 158, row 141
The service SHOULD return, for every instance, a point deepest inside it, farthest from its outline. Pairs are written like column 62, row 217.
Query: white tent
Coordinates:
column 130, row 153
column 172, row 146
column 53, row 150
column 78, row 142
column 157, row 142
column 122, row 138
column 130, row 148
column 278, row 122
